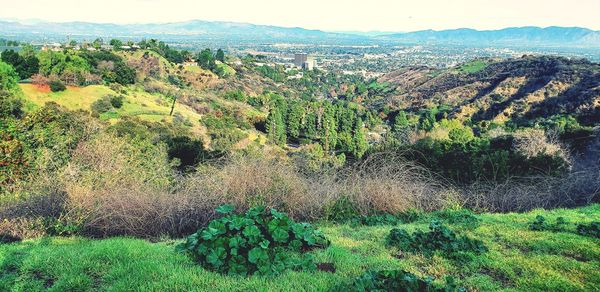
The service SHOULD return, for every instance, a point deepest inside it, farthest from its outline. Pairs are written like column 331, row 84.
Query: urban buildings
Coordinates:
column 302, row 60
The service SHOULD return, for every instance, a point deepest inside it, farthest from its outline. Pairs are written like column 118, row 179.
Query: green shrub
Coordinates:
column 396, row 280
column 592, row 229
column 540, row 224
column 462, row 217
column 101, row 106
column 10, row 105
column 439, row 238
column 117, row 101
column 262, row 241
column 410, row 216
column 341, row 210
column 62, row 226
column 57, row 85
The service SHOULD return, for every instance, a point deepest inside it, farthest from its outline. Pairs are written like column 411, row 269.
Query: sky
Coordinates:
column 330, row 15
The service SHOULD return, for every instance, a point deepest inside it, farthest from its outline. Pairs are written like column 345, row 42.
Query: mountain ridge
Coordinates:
column 511, row 36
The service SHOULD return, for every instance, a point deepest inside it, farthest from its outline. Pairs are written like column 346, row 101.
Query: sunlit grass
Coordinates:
column 518, row 259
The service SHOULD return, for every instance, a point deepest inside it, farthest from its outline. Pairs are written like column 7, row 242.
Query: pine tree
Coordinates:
column 276, row 131
column 294, row 120
column 329, row 128
column 401, row 121
column 220, row 56
column 359, row 141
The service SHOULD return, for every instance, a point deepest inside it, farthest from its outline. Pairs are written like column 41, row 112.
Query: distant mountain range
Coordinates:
column 195, row 29
column 552, row 36
column 235, row 31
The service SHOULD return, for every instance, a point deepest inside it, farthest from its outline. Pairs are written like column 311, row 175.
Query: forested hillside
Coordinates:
column 243, row 156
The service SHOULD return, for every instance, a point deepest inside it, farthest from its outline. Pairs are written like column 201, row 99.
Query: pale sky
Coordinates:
column 332, row 15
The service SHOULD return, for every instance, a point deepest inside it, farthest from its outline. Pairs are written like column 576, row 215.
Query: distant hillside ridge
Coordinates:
column 193, row 29
column 513, row 36
column 237, row 31
column 497, row 90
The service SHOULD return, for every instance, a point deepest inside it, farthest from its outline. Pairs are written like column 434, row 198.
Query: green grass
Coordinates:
column 472, row 67
column 138, row 103
column 518, row 260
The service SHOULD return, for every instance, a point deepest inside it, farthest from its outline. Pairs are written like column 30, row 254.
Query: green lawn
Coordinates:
column 518, row 260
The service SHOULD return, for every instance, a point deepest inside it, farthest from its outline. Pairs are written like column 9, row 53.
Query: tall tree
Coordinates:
column 8, row 77
column 276, row 127
column 220, row 56
column 294, row 120
column 206, row 59
column 359, row 140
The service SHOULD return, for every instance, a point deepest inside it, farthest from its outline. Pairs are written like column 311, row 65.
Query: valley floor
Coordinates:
column 518, row 260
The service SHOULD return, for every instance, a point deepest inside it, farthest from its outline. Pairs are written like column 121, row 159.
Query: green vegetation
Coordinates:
column 26, row 63
column 592, row 229
column 439, row 238
column 395, row 280
column 260, row 241
column 518, row 259
column 145, row 141
column 473, row 66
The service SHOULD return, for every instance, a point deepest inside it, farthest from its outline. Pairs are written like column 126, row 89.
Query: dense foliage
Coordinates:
column 262, row 241
column 592, row 229
column 337, row 127
column 481, row 159
column 396, row 280
column 26, row 64
column 540, row 224
column 439, row 238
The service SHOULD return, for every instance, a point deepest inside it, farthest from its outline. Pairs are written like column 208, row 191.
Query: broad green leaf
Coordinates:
column 225, row 209
column 257, row 255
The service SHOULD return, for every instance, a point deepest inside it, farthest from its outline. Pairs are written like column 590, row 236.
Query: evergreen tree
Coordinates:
column 329, row 128
column 401, row 121
column 294, row 120
column 8, row 78
column 359, row 140
column 276, row 131
column 206, row 60
column 220, row 56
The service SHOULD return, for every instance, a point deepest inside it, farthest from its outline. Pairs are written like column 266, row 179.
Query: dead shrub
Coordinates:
column 523, row 194
column 385, row 182
column 112, row 185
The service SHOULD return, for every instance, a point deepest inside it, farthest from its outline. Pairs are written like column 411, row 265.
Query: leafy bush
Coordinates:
column 341, row 210
column 260, row 241
column 395, row 280
column 10, row 105
column 439, row 238
column 462, row 217
column 540, row 224
column 57, row 85
column 117, row 101
column 592, row 229
column 101, row 106
column 481, row 159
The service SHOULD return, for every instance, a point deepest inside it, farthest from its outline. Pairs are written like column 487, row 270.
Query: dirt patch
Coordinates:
column 45, row 88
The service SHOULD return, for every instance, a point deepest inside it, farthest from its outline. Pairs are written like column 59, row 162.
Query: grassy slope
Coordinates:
column 473, row 66
column 518, row 259
column 146, row 106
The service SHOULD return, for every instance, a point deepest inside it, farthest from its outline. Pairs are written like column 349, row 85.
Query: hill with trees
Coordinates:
column 294, row 179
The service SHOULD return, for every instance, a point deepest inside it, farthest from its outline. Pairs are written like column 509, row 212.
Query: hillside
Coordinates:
column 521, row 90
column 189, row 30
column 245, row 32
column 518, row 259
column 513, row 36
